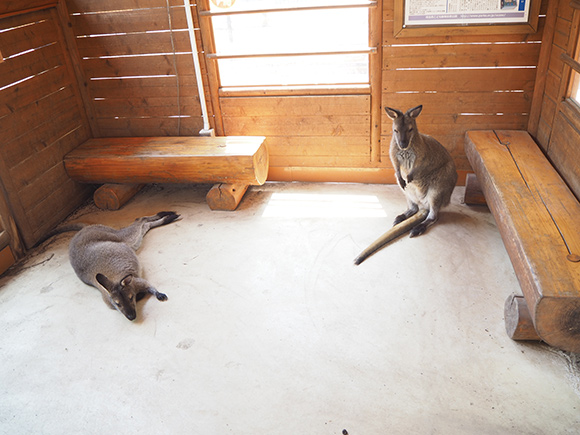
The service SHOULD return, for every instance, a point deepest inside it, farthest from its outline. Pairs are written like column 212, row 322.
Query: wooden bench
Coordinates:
column 538, row 217
column 233, row 162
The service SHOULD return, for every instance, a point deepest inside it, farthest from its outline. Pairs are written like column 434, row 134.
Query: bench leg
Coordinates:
column 114, row 196
column 225, row 196
column 473, row 192
column 518, row 321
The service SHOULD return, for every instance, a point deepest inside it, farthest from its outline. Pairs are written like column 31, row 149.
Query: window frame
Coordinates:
column 374, row 89
column 571, row 59
column 212, row 57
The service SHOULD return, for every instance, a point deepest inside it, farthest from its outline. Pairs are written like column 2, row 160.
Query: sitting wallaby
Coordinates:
column 105, row 258
column 424, row 170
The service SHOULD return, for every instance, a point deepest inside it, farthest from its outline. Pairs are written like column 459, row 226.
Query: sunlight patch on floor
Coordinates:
column 311, row 205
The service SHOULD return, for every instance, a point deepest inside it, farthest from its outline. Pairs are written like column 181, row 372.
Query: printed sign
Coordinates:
column 454, row 12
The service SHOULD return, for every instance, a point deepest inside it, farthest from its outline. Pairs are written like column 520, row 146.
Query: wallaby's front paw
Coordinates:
column 161, row 296
column 418, row 230
column 399, row 219
column 402, row 183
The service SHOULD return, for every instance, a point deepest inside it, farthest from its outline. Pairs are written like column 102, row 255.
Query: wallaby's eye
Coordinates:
column 395, row 130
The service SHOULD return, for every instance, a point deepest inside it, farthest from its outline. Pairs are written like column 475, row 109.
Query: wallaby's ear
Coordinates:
column 393, row 113
column 415, row 111
column 127, row 280
column 104, row 281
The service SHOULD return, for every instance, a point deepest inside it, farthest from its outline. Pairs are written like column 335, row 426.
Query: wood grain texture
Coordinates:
column 183, row 159
column 473, row 193
column 225, row 196
column 114, row 196
column 41, row 119
column 563, row 149
column 537, row 216
column 518, row 320
column 18, row 7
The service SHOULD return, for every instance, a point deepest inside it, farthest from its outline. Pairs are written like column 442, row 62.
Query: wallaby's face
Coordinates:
column 121, row 295
column 404, row 125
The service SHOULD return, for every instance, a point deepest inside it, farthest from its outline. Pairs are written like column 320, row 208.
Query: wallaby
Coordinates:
column 424, row 170
column 105, row 258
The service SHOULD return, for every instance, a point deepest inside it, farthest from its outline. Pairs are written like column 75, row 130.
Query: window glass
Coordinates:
column 575, row 80
column 304, row 47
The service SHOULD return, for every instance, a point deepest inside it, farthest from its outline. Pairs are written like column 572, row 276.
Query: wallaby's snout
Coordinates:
column 402, row 137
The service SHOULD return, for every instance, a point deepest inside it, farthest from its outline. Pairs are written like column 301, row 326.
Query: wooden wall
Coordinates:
column 135, row 77
column 41, row 119
column 136, row 62
column 555, row 120
column 463, row 82
column 309, row 138
column 552, row 72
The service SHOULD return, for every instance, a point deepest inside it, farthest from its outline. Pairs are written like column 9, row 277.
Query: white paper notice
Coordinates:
column 437, row 12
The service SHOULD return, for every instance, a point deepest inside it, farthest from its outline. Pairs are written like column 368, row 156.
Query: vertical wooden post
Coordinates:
column 518, row 320
column 114, row 196
column 74, row 64
column 8, row 225
column 225, row 196
column 473, row 193
column 543, row 63
column 208, row 44
column 376, row 78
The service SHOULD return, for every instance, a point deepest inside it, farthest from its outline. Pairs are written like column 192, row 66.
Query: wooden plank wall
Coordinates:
column 556, row 120
column 469, row 82
column 41, row 119
column 309, row 138
column 136, row 62
column 463, row 82
column 549, row 96
column 137, row 65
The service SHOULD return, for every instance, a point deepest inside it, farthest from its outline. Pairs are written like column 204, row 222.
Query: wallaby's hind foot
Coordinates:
column 161, row 218
column 412, row 211
column 402, row 217
column 167, row 217
column 431, row 218
column 421, row 228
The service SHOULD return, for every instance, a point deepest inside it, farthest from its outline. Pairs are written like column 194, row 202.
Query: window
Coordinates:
column 267, row 43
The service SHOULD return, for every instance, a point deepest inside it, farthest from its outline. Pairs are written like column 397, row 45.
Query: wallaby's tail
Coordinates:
column 62, row 229
column 396, row 231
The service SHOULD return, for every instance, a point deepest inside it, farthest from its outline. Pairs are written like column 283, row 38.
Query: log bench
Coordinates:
column 125, row 164
column 538, row 217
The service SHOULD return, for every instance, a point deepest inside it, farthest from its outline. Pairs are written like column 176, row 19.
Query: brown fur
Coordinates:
column 105, row 258
column 424, row 168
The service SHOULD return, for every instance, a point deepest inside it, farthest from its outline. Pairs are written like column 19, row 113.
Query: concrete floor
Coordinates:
column 270, row 328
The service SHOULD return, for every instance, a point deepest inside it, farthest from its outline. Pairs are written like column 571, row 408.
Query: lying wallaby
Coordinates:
column 424, row 170
column 105, row 258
